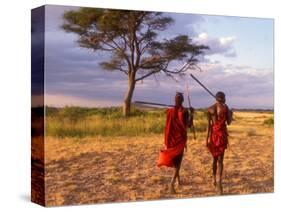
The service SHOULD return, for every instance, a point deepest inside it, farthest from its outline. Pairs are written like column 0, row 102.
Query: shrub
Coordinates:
column 269, row 122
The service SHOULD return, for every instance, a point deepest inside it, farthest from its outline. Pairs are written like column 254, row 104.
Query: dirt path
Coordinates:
column 96, row 170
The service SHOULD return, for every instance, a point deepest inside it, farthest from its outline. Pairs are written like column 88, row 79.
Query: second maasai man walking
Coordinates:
column 219, row 116
column 177, row 122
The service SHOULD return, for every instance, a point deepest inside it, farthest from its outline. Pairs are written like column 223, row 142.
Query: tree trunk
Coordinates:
column 128, row 97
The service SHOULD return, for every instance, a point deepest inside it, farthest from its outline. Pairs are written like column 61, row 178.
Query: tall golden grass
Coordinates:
column 83, row 122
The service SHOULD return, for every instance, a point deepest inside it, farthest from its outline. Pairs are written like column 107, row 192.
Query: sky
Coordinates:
column 239, row 62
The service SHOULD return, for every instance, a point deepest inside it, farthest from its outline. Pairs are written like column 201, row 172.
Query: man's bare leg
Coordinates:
column 179, row 181
column 220, row 163
column 172, row 183
column 177, row 162
column 215, row 161
column 178, row 171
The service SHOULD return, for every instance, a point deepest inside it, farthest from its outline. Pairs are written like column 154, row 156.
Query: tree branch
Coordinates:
column 147, row 75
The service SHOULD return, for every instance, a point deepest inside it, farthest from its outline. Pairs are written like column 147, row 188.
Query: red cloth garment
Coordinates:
column 175, row 137
column 219, row 136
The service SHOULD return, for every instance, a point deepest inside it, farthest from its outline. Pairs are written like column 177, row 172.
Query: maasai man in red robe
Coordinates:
column 219, row 116
column 177, row 122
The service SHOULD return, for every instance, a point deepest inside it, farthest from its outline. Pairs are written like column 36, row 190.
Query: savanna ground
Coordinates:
column 96, row 155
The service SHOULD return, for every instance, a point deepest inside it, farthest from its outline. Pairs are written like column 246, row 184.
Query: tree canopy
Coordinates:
column 133, row 41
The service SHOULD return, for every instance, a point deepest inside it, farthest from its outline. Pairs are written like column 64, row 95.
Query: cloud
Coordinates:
column 245, row 86
column 187, row 24
column 222, row 45
column 74, row 77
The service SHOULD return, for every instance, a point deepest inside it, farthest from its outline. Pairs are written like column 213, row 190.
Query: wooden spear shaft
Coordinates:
column 153, row 103
column 203, row 86
column 189, row 103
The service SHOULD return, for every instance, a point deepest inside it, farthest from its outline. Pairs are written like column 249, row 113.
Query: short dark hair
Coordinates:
column 180, row 95
column 220, row 96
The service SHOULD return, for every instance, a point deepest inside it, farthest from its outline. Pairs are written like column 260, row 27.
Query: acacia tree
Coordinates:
column 131, row 38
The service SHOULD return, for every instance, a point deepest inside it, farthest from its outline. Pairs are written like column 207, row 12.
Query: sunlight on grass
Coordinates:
column 83, row 122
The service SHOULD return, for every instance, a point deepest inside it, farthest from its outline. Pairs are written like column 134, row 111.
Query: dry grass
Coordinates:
column 122, row 168
column 91, row 122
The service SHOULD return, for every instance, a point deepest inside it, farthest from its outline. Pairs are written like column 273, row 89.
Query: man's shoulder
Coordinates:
column 169, row 110
column 213, row 105
column 172, row 109
column 212, row 108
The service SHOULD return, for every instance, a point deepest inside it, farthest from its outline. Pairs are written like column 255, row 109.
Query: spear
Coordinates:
column 191, row 121
column 153, row 103
column 203, row 86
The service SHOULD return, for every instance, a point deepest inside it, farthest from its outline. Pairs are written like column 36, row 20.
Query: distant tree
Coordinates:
column 131, row 38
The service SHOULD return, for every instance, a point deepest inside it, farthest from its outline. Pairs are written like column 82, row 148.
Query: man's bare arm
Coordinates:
column 229, row 116
column 208, row 129
column 190, row 117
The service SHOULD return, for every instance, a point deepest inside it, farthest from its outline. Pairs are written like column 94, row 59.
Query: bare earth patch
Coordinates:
column 104, row 169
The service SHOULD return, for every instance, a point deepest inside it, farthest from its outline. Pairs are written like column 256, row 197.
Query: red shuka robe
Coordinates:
column 175, row 136
column 219, row 135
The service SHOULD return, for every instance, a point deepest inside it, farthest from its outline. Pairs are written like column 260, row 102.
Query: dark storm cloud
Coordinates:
column 37, row 51
column 75, row 72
